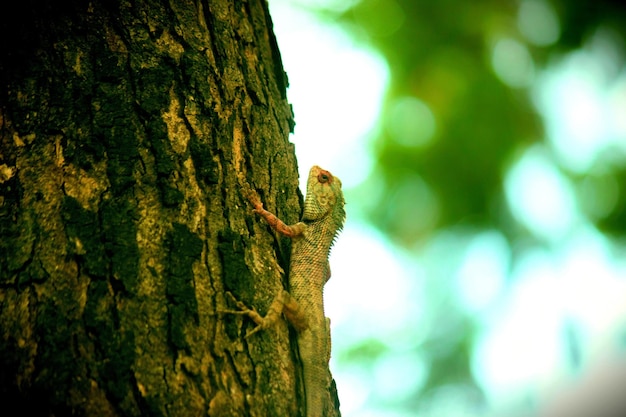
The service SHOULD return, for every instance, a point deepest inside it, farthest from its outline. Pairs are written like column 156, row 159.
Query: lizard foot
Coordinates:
column 283, row 303
column 254, row 199
column 262, row 322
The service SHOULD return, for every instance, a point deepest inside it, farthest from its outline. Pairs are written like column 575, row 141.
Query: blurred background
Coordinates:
column 482, row 148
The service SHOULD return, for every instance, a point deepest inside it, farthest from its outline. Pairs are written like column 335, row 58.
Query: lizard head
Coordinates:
column 324, row 198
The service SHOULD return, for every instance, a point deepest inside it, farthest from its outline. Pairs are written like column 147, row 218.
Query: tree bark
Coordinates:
column 126, row 130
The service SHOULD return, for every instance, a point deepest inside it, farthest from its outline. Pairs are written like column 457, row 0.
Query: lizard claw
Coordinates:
column 253, row 331
column 258, row 206
column 245, row 310
column 254, row 199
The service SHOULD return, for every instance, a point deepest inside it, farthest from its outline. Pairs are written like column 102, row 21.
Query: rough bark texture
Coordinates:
column 124, row 127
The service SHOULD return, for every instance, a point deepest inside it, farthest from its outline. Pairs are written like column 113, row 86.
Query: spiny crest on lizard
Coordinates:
column 324, row 199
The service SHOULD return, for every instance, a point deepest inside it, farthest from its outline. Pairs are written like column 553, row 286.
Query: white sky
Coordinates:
column 335, row 87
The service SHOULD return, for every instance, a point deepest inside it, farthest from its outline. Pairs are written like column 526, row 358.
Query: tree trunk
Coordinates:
column 127, row 128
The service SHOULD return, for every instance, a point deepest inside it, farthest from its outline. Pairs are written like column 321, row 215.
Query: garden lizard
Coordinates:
column 302, row 305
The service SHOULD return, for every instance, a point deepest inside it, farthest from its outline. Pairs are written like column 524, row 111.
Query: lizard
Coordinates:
column 312, row 237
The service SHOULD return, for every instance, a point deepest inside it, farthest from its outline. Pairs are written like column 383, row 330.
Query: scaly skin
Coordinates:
column 309, row 270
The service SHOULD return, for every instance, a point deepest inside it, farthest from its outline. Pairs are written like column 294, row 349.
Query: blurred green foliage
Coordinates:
column 452, row 126
column 442, row 81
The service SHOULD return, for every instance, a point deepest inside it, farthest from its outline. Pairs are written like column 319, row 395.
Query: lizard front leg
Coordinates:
column 276, row 223
column 282, row 303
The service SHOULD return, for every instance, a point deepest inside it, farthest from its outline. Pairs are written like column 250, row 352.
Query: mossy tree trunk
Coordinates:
column 126, row 128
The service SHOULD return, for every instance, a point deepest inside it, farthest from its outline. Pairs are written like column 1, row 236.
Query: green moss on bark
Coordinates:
column 56, row 356
column 236, row 275
column 114, row 348
column 120, row 235
column 184, row 248
column 84, row 237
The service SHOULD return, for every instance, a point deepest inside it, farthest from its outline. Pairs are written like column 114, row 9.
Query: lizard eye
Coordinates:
column 323, row 177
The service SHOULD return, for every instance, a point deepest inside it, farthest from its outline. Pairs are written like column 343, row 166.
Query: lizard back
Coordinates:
column 323, row 218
